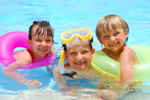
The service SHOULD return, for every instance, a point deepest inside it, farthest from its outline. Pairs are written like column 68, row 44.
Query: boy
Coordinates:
column 112, row 32
column 79, row 52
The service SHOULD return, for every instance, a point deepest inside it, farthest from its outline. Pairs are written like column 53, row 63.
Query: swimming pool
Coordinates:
column 18, row 15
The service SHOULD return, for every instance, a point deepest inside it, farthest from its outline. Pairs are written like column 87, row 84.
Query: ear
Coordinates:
column 52, row 41
column 100, row 40
column 93, row 51
column 29, row 42
column 126, row 33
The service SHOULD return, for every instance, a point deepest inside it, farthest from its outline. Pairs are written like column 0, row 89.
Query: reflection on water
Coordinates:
column 50, row 90
column 17, row 15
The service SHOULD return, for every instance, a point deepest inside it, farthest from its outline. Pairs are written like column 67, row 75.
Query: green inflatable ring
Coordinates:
column 111, row 68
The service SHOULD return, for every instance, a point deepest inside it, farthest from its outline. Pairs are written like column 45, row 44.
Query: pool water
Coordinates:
column 18, row 15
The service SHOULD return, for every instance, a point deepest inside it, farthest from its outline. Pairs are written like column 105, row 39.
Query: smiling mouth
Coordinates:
column 80, row 63
column 113, row 45
column 43, row 50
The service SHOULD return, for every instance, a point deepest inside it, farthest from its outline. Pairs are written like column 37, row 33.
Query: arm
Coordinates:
column 11, row 73
column 59, row 78
column 127, row 66
column 110, row 94
column 64, row 88
column 52, row 52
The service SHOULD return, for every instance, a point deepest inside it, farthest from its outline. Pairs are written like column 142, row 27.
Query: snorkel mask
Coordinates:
column 67, row 37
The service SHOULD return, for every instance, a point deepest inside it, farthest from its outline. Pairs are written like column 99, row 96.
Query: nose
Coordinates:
column 112, row 38
column 43, row 44
column 79, row 56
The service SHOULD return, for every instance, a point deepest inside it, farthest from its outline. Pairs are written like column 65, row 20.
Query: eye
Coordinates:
column 106, row 36
column 72, row 53
column 116, row 33
column 48, row 40
column 84, row 52
column 38, row 40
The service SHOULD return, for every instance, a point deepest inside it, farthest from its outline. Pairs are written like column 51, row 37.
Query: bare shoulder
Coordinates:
column 23, row 56
column 130, row 54
column 128, row 51
column 51, row 52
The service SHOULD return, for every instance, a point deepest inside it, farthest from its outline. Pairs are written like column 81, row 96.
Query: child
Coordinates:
column 40, row 41
column 112, row 31
column 79, row 52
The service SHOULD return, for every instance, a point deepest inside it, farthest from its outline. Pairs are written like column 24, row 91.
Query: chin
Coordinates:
column 82, row 69
column 79, row 69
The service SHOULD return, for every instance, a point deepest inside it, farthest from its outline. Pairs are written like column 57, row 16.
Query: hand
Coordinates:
column 34, row 84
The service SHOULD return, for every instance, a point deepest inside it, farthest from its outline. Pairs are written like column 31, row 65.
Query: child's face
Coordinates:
column 79, row 56
column 40, row 45
column 114, row 40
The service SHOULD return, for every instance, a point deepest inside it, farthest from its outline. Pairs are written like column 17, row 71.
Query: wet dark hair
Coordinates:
column 41, row 25
column 90, row 42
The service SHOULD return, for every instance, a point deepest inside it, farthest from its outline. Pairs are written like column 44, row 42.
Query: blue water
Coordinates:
column 18, row 15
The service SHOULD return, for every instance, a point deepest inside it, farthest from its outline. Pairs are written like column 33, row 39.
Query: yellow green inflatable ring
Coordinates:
column 111, row 68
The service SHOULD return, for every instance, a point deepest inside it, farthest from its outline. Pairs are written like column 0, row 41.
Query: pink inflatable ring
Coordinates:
column 12, row 40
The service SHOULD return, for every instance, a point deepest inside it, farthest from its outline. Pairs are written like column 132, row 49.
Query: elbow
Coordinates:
column 4, row 71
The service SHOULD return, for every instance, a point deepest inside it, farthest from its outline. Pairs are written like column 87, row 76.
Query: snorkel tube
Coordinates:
column 61, row 62
column 61, row 66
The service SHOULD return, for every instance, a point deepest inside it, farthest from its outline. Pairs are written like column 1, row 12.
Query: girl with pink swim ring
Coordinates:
column 37, row 54
column 12, row 40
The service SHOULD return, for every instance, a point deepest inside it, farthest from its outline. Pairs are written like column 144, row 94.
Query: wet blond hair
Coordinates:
column 109, row 22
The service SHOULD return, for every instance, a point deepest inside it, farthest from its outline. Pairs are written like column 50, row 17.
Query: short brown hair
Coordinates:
column 110, row 22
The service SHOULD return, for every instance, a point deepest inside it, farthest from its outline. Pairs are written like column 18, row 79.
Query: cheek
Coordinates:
column 70, row 59
column 104, row 40
column 35, row 43
column 50, row 44
column 121, row 37
column 89, row 58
